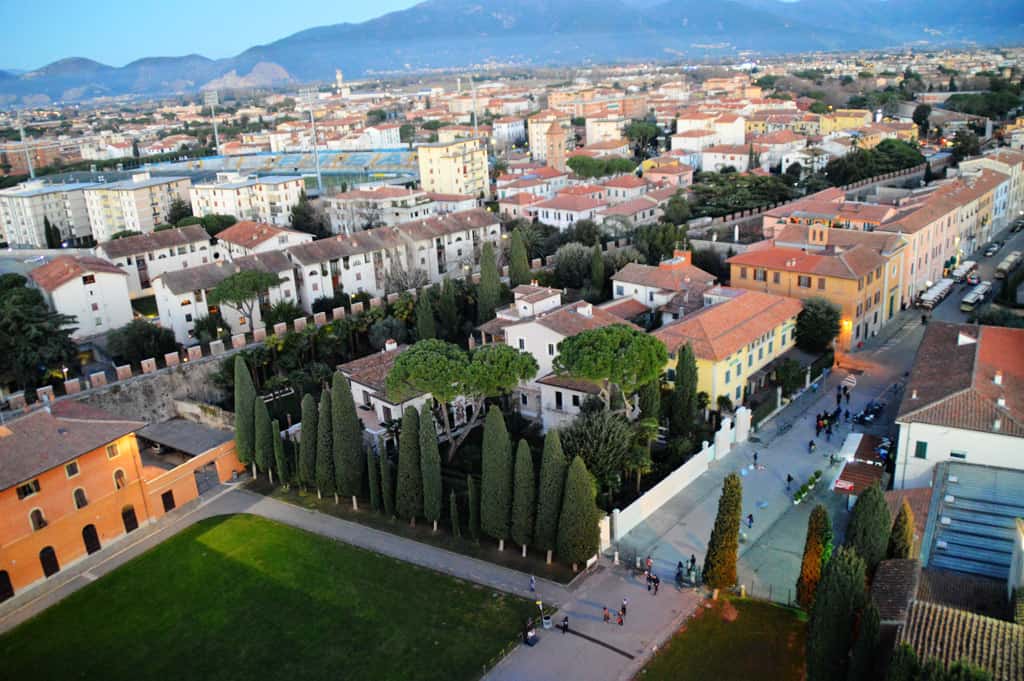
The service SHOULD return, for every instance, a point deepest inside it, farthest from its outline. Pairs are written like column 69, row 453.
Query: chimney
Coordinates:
column 998, row 379
column 390, row 344
column 534, row 282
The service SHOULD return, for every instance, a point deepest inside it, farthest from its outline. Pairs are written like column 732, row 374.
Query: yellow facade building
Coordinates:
column 457, row 167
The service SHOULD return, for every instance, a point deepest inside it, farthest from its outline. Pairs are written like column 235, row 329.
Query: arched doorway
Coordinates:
column 128, row 518
column 91, row 539
column 6, row 588
column 48, row 559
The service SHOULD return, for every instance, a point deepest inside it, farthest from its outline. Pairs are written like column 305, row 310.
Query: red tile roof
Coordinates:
column 65, row 268
column 249, row 234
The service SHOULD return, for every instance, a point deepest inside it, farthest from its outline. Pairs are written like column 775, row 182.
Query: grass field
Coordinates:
column 763, row 642
column 240, row 597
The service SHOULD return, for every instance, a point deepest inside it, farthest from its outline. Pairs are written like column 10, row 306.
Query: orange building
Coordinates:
column 72, row 482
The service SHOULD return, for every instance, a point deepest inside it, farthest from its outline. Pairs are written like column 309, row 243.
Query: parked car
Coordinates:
column 973, row 279
column 991, row 250
column 1017, row 226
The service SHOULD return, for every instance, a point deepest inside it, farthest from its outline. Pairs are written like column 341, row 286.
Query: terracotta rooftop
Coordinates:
column 580, row 385
column 154, row 241
column 668, row 276
column 625, row 308
column 953, row 382
column 852, row 263
column 575, row 204
column 626, row 182
column 372, row 371
column 719, row 330
column 43, row 440
column 250, row 234
column 574, row 318
column 65, row 268
column 894, row 587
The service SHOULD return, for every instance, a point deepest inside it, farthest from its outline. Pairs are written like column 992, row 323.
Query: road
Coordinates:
column 949, row 309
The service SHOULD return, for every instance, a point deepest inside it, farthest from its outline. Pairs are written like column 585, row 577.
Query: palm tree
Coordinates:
column 638, row 460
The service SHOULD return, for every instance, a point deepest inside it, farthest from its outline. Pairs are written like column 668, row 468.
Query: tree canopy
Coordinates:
column 817, row 325
column 33, row 339
column 138, row 340
column 623, row 356
column 241, row 291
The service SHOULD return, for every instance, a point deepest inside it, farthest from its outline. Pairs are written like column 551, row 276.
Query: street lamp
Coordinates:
column 308, row 95
column 212, row 99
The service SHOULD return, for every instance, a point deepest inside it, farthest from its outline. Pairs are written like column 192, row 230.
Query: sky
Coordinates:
column 116, row 32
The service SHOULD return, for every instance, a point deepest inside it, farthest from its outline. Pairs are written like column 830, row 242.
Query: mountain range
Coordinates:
column 452, row 33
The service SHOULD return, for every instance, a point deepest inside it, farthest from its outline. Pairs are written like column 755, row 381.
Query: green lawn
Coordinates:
column 240, row 597
column 763, row 642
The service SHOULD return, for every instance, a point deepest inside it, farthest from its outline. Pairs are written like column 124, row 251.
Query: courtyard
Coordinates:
column 240, row 596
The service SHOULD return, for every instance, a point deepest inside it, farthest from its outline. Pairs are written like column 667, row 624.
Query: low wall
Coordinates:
column 626, row 519
column 205, row 414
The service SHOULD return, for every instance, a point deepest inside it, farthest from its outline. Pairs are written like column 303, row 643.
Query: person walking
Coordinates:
column 828, row 434
column 565, row 625
column 625, row 603
column 621, row 619
column 750, row 521
column 533, row 584
column 693, row 562
column 650, row 563
column 847, row 398
column 789, row 481
column 657, row 583
column 839, row 398
column 606, row 615
column 755, row 459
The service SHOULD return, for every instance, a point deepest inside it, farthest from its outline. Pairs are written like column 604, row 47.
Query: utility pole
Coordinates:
column 24, row 146
column 472, row 83
column 212, row 100
column 308, row 95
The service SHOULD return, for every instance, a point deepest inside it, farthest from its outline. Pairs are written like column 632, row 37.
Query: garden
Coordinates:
column 241, row 597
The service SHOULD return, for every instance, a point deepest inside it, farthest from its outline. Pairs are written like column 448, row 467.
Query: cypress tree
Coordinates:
column 549, row 494
column 473, row 498
column 818, row 532
column 829, row 630
column 723, row 547
column 425, row 327
column 518, row 260
column 387, row 487
column 597, row 269
column 901, row 541
column 870, row 525
column 325, row 449
column 373, row 471
column 280, row 458
column 307, row 443
column 453, row 509
column 523, row 496
column 430, row 467
column 488, row 293
column 448, row 310
column 264, row 449
column 245, row 416
column 865, row 651
column 650, row 400
column 903, row 665
column 347, row 434
column 684, row 395
column 409, row 497
column 578, row 536
column 496, row 478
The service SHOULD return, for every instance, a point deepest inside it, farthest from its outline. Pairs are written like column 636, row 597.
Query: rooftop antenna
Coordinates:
column 212, row 99
column 308, row 95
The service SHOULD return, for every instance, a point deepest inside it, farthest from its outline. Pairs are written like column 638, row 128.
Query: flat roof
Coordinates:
column 184, row 436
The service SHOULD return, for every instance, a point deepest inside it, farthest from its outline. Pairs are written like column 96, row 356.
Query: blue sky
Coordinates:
column 116, row 32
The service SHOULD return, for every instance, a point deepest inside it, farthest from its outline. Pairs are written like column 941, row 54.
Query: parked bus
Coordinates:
column 1008, row 264
column 975, row 297
column 964, row 269
column 936, row 294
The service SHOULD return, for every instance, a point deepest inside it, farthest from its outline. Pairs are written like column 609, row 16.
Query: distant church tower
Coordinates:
column 339, row 84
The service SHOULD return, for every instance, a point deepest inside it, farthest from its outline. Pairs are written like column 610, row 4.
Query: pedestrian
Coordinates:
column 839, row 398
column 828, row 434
column 620, row 618
column 650, row 563
column 846, row 390
column 750, row 521
column 789, row 481
column 647, row 576
column 565, row 625
column 533, row 584
column 625, row 602
column 817, row 428
column 755, row 459
column 606, row 615
column 847, row 398
column 693, row 561
column 847, row 415
column 657, row 583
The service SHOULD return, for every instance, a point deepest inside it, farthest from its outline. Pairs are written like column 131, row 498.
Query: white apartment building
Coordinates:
column 247, row 238
column 90, row 289
column 509, row 131
column 138, row 204
column 964, row 401
column 25, row 209
column 564, row 210
column 263, row 199
column 183, row 296
column 604, row 129
column 147, row 256
column 441, row 246
column 383, row 206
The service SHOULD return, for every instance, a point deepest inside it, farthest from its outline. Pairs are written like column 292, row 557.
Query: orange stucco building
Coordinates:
column 72, row 482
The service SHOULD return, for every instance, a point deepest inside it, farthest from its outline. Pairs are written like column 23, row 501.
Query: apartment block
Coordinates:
column 25, row 209
column 269, row 198
column 138, row 204
column 458, row 167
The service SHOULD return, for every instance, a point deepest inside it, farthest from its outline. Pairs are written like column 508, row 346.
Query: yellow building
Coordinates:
column 845, row 119
column 861, row 272
column 734, row 339
column 458, row 167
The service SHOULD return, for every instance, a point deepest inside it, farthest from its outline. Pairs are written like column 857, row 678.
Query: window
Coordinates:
column 28, row 489
column 522, row 343
column 95, row 307
column 671, row 374
column 551, row 349
column 958, row 455
column 728, row 375
column 558, row 399
column 119, row 479
column 743, row 273
column 523, row 399
column 760, row 275
column 878, row 296
column 575, row 400
column 921, row 450
column 36, row 519
column 803, row 282
column 89, row 279
column 112, row 452
column 620, row 291
column 80, row 499
column 71, row 469
column 775, row 277
column 821, row 283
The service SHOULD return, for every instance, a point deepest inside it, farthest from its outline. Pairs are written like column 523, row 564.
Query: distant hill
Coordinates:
column 447, row 33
